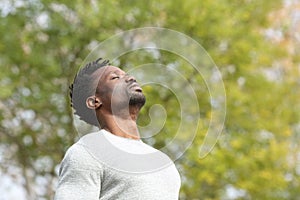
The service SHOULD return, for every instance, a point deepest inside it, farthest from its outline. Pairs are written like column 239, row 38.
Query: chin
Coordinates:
column 137, row 99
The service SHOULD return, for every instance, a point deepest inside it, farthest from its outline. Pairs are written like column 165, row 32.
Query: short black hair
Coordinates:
column 82, row 88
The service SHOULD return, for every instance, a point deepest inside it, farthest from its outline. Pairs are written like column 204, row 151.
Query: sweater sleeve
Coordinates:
column 79, row 176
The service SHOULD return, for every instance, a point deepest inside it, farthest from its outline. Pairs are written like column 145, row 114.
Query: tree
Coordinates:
column 44, row 43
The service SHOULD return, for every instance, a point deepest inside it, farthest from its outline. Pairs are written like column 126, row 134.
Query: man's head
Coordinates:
column 102, row 88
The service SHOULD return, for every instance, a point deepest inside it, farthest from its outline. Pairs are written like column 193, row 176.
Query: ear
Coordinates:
column 93, row 102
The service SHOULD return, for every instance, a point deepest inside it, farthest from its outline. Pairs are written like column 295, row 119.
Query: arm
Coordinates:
column 79, row 176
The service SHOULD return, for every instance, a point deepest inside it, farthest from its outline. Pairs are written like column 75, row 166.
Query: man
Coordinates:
column 113, row 163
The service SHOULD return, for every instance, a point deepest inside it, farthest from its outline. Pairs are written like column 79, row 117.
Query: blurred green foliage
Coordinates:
column 43, row 43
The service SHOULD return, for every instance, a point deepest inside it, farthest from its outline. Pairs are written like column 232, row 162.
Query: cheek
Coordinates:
column 119, row 92
column 115, row 94
column 105, row 94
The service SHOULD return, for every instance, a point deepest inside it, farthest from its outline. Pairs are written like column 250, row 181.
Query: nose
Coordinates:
column 130, row 79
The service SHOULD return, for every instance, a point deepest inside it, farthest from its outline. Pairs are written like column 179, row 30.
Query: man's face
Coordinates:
column 117, row 89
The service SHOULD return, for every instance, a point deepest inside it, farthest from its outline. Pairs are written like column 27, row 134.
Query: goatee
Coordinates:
column 137, row 99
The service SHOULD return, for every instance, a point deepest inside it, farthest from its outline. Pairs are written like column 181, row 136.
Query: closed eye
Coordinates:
column 115, row 77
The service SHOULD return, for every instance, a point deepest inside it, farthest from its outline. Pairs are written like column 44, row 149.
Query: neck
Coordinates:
column 120, row 124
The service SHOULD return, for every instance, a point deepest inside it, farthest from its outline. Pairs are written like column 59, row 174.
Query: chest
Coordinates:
column 155, row 185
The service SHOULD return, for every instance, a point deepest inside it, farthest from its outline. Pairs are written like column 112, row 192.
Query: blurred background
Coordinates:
column 254, row 43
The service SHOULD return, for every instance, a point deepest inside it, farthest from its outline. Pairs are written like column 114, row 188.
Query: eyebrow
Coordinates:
column 117, row 72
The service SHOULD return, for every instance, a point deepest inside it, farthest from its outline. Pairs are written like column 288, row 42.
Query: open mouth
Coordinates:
column 136, row 87
column 138, row 90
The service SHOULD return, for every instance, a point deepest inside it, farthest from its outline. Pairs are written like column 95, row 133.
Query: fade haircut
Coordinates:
column 82, row 88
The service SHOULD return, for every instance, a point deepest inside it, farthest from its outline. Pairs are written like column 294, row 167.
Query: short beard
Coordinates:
column 137, row 99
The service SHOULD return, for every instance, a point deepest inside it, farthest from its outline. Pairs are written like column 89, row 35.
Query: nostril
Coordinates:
column 130, row 79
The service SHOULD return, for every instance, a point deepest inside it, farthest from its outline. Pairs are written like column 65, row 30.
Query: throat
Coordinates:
column 123, row 127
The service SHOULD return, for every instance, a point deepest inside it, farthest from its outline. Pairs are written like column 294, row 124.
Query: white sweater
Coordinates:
column 102, row 166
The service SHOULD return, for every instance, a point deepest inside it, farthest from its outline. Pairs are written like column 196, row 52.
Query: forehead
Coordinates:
column 103, row 72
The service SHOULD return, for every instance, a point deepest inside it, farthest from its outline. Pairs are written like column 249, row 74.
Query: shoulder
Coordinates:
column 79, row 158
